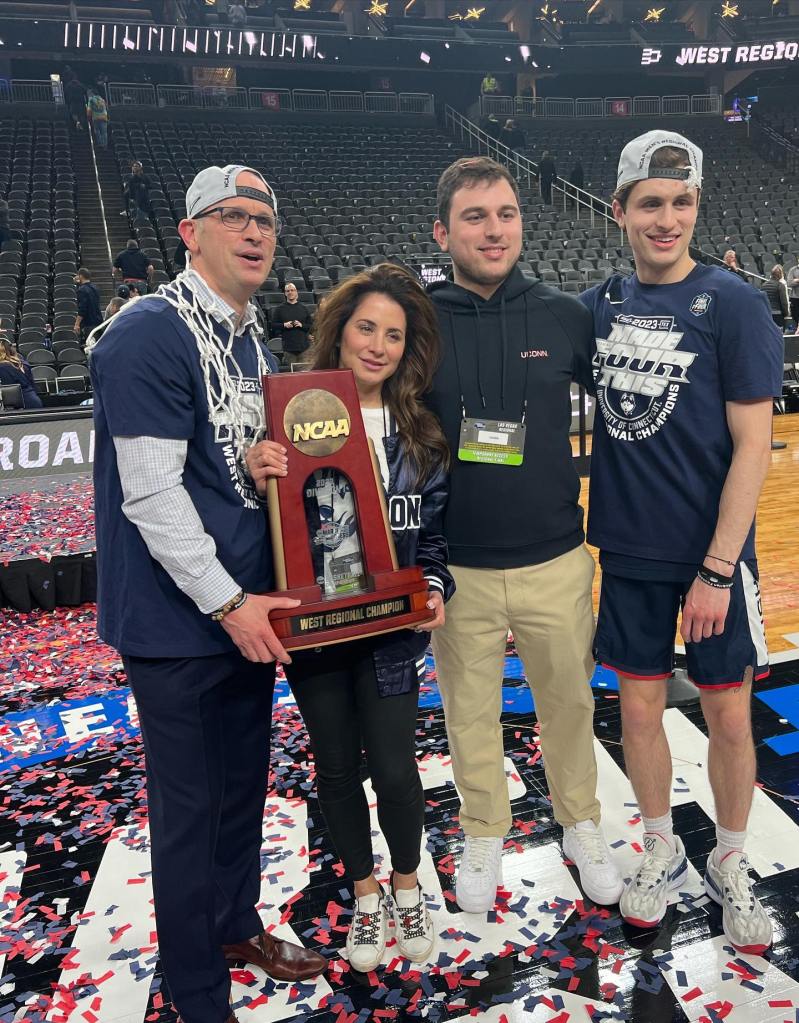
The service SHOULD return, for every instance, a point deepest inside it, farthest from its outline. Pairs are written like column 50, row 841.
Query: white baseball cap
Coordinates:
column 215, row 184
column 636, row 157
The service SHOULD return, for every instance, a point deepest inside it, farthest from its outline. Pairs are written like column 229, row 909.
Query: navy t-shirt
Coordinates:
column 667, row 359
column 148, row 382
column 89, row 306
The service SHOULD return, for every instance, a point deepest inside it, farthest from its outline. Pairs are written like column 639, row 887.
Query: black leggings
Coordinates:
column 336, row 691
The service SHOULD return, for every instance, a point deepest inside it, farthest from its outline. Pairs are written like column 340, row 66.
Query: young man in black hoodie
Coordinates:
column 511, row 349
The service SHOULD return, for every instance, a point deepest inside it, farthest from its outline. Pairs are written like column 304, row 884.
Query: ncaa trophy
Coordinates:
column 343, row 569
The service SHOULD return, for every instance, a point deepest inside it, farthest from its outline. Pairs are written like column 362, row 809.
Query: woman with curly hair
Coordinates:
column 363, row 695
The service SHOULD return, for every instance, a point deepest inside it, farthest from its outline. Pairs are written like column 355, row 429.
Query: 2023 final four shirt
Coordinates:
column 667, row 359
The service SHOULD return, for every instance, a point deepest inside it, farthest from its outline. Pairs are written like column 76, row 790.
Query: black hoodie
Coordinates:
column 526, row 333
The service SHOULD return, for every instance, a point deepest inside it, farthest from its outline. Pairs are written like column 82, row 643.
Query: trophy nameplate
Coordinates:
column 345, row 574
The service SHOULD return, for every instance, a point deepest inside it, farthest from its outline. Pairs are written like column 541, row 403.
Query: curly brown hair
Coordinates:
column 420, row 432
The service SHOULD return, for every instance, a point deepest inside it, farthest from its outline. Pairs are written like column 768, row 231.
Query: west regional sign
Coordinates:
column 748, row 55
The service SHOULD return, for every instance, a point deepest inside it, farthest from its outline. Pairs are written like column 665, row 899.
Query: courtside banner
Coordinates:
column 42, row 445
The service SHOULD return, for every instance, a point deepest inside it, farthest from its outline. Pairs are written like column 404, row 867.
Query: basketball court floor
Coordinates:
column 77, row 934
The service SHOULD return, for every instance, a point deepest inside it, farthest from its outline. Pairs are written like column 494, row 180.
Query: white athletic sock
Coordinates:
column 661, row 826
column 727, row 842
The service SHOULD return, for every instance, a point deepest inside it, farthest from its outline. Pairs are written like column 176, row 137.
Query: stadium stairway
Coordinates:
column 108, row 175
column 91, row 223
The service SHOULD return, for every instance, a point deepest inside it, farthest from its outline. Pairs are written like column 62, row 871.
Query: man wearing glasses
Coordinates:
column 183, row 554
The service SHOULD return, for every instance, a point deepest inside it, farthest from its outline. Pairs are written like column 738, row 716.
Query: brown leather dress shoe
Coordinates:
column 279, row 959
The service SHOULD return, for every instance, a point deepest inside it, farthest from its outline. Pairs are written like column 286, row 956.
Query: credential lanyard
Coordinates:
column 460, row 384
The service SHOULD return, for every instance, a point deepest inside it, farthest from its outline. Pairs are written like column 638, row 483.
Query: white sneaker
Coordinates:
column 644, row 901
column 366, row 938
column 413, row 924
column 743, row 917
column 585, row 845
column 479, row 874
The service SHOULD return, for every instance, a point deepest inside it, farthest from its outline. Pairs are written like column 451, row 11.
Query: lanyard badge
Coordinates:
column 491, row 441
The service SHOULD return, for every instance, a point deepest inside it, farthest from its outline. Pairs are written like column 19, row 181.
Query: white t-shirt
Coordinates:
column 375, row 420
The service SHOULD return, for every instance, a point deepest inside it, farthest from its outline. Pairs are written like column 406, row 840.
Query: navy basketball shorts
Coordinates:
column 638, row 621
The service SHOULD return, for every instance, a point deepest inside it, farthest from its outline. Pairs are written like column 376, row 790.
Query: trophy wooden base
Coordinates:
column 395, row 600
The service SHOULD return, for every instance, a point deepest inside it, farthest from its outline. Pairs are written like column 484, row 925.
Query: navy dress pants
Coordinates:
column 206, row 725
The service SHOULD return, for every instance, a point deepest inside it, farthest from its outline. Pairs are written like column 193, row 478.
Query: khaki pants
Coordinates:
column 548, row 608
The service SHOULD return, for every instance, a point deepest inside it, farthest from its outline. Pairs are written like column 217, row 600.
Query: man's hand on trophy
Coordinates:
column 265, row 459
column 250, row 630
column 435, row 602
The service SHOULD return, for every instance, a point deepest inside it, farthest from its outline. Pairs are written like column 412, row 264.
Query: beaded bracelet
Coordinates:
column 232, row 605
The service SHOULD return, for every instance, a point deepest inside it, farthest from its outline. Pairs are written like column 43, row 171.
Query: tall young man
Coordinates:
column 687, row 361
column 184, row 556
column 512, row 348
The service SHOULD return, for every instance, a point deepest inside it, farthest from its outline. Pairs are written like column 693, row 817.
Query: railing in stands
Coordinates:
column 600, row 106
column 310, row 100
column 212, row 97
column 271, row 99
column 773, row 146
column 27, row 91
column 346, row 102
column 128, row 94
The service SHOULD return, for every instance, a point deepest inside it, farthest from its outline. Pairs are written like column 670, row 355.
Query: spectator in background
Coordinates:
column 491, row 127
column 101, row 86
column 75, row 99
column 136, row 290
column 547, row 175
column 777, row 294
column 89, row 312
column 512, row 137
column 113, row 307
column 132, row 265
column 577, row 176
column 97, row 112
column 237, row 15
column 5, row 230
column 489, row 86
column 15, row 370
column 137, row 193
column 731, row 263
column 792, row 282
column 292, row 321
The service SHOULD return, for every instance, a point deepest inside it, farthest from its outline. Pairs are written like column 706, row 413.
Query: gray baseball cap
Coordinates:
column 216, row 184
column 635, row 160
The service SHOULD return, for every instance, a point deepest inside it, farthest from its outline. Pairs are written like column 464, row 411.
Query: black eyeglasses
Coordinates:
column 238, row 220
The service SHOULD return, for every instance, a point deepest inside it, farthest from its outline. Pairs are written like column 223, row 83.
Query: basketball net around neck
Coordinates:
column 222, row 374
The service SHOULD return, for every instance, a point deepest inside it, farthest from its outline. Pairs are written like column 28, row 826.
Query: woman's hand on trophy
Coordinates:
column 266, row 459
column 251, row 631
column 435, row 602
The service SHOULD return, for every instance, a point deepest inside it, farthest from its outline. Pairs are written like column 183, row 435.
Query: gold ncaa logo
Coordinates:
column 317, row 422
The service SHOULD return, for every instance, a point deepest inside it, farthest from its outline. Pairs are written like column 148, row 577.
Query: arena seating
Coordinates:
column 38, row 265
